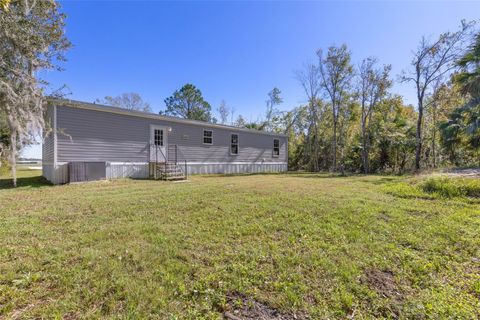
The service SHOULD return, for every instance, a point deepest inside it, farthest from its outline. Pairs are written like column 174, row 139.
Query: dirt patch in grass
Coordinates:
column 464, row 173
column 383, row 282
column 241, row 307
column 384, row 216
column 418, row 213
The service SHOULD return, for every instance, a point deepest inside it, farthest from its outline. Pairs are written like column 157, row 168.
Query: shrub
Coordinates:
column 4, row 167
column 448, row 187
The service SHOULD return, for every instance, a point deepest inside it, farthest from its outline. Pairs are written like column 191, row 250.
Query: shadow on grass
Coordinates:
column 31, row 182
column 297, row 174
column 318, row 175
column 247, row 174
column 381, row 181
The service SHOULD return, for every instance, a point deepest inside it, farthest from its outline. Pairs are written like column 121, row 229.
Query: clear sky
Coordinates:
column 236, row 51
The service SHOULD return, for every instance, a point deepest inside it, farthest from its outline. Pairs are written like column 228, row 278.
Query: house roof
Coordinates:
column 134, row 113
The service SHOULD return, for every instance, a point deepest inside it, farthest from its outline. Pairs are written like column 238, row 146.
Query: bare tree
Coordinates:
column 240, row 122
column 336, row 72
column 232, row 114
column 309, row 79
column 274, row 99
column 31, row 39
column 223, row 111
column 431, row 62
column 129, row 101
column 373, row 85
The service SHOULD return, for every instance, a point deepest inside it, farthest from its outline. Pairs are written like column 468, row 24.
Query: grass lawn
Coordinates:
column 305, row 245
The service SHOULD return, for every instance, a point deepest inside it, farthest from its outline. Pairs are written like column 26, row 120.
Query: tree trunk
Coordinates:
column 13, row 156
column 364, row 147
column 434, row 155
column 315, row 141
column 342, row 162
column 434, row 136
column 334, row 143
column 418, row 137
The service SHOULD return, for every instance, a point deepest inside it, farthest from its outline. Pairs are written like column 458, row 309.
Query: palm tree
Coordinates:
column 469, row 81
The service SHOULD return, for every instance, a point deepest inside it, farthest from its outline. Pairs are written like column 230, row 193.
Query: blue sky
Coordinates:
column 236, row 51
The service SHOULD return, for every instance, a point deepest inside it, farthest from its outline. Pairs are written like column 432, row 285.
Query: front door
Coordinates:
column 158, row 143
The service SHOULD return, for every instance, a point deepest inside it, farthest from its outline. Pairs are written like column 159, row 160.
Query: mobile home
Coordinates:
column 91, row 141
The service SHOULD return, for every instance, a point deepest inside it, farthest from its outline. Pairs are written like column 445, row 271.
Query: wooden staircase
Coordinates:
column 168, row 168
column 167, row 171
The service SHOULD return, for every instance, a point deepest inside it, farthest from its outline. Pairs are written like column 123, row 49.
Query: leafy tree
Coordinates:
column 445, row 99
column 395, row 135
column 469, row 77
column 129, row 101
column 31, row 39
column 254, row 126
column 4, row 4
column 348, row 117
column 4, row 141
column 188, row 103
column 373, row 85
column 431, row 63
column 295, row 123
column 309, row 79
column 469, row 81
column 451, row 135
column 336, row 72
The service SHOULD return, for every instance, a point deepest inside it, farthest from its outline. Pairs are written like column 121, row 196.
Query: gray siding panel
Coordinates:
column 91, row 135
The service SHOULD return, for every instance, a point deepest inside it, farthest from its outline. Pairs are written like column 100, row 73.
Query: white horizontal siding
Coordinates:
column 91, row 135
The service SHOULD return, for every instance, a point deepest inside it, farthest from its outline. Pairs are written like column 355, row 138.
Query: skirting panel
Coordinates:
column 56, row 175
column 127, row 170
column 116, row 170
column 232, row 168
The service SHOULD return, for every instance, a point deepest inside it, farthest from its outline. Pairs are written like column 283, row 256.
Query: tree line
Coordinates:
column 351, row 121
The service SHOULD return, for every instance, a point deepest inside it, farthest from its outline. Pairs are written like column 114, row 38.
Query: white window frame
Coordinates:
column 273, row 151
column 211, row 137
column 160, row 136
column 230, row 144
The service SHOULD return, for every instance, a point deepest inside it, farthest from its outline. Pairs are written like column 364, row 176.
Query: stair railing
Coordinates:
column 159, row 152
column 185, row 172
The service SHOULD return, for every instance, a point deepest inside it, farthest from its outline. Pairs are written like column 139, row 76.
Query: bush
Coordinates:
column 4, row 167
column 407, row 191
column 448, row 187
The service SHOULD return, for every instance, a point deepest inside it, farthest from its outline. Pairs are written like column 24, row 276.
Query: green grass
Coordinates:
column 305, row 244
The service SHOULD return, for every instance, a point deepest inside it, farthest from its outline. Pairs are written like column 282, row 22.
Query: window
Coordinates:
column 158, row 137
column 276, row 147
column 207, row 136
column 234, row 144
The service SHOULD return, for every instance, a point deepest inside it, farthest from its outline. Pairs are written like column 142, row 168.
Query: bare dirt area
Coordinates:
column 464, row 173
column 383, row 282
column 241, row 307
